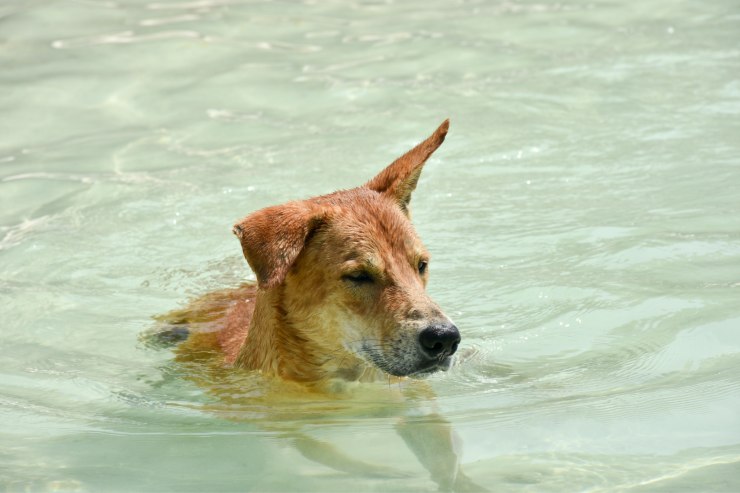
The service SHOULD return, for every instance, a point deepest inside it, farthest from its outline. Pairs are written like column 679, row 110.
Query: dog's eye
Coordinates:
column 422, row 266
column 358, row 277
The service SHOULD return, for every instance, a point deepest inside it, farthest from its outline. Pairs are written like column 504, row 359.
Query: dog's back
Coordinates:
column 212, row 326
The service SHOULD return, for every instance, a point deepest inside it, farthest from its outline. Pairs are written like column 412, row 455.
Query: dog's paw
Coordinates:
column 464, row 484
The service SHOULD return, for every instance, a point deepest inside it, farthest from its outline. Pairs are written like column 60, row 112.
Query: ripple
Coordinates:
column 124, row 37
column 88, row 179
column 163, row 21
column 281, row 46
column 18, row 233
column 195, row 5
column 339, row 67
column 380, row 39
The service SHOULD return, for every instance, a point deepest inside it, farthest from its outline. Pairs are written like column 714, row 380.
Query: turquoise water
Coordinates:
column 583, row 217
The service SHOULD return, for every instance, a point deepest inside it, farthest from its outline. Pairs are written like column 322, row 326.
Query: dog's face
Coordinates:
column 367, row 271
column 352, row 273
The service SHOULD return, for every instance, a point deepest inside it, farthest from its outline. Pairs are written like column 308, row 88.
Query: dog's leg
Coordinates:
column 432, row 439
column 328, row 455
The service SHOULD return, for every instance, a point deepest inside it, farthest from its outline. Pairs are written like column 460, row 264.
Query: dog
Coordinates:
column 340, row 299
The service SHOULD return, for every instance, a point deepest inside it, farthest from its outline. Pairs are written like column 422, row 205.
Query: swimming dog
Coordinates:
column 340, row 291
column 340, row 297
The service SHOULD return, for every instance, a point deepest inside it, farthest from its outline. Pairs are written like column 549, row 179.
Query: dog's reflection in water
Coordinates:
column 340, row 302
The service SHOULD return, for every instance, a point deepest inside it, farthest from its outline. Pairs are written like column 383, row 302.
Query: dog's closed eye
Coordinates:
column 359, row 277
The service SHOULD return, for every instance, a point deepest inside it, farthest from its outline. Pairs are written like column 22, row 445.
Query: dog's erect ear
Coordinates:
column 272, row 238
column 399, row 179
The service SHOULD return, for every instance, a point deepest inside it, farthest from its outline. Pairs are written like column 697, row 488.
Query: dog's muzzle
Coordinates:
column 431, row 351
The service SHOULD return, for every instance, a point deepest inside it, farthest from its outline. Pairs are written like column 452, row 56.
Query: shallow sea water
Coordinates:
column 583, row 217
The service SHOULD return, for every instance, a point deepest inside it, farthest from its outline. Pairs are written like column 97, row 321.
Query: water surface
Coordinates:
column 583, row 217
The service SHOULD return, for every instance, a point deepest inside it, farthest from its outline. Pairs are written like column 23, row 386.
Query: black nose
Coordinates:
column 439, row 340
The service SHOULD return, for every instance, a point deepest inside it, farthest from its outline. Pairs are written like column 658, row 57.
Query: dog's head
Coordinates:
column 351, row 272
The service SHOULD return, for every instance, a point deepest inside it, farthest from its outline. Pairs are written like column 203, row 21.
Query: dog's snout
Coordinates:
column 439, row 340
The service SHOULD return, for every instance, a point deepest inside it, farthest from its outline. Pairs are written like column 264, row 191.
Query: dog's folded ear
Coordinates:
column 400, row 178
column 272, row 238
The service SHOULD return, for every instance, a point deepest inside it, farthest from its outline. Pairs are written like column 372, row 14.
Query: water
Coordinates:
column 583, row 216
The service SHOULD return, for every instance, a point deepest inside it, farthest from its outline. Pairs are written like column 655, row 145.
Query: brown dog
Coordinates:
column 340, row 297
column 341, row 287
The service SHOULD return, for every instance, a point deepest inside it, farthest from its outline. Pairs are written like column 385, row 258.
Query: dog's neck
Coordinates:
column 275, row 345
